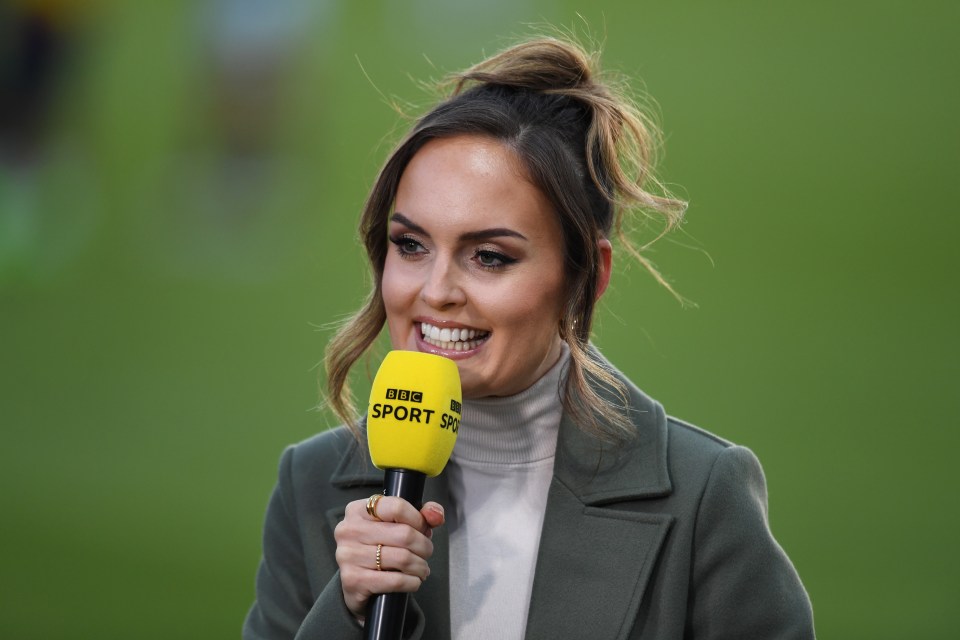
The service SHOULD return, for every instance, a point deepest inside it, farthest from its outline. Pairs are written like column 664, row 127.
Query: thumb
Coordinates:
column 432, row 512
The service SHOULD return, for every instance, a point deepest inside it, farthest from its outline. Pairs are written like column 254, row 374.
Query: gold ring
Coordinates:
column 372, row 505
column 379, row 551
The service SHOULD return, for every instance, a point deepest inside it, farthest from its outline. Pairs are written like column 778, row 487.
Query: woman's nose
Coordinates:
column 442, row 288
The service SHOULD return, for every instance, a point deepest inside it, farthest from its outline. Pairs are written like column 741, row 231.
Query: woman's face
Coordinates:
column 476, row 270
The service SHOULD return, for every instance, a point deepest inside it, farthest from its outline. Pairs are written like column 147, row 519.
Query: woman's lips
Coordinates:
column 451, row 341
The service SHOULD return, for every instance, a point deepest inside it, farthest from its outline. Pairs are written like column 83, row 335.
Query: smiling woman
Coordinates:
column 577, row 507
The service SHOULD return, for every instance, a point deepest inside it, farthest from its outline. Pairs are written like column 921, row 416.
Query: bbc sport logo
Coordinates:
column 455, row 407
column 405, row 395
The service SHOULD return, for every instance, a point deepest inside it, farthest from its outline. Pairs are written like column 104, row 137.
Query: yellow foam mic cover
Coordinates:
column 414, row 412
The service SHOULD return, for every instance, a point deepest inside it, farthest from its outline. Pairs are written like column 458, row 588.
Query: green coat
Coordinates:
column 664, row 537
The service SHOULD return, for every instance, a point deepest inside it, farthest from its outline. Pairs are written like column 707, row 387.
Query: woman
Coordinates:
column 574, row 506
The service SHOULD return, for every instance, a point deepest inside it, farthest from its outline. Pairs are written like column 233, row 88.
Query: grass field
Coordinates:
column 171, row 260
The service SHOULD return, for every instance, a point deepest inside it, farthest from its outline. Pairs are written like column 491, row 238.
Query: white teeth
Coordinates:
column 457, row 339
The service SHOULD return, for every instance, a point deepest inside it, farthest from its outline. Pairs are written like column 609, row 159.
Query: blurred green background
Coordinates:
column 177, row 233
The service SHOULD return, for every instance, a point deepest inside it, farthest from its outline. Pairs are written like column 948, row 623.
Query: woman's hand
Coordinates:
column 405, row 535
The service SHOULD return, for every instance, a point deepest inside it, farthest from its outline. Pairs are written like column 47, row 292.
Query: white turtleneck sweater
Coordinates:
column 499, row 475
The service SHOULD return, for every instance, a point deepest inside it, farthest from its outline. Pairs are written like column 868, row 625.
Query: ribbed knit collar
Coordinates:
column 514, row 429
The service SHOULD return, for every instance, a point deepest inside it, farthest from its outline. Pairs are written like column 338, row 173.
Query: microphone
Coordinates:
column 412, row 424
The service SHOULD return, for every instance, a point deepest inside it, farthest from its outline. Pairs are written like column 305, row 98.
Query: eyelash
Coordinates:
column 402, row 243
column 504, row 261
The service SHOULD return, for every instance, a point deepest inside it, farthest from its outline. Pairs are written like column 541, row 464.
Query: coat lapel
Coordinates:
column 597, row 548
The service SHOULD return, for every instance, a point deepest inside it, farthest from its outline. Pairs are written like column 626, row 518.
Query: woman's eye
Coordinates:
column 407, row 246
column 492, row 259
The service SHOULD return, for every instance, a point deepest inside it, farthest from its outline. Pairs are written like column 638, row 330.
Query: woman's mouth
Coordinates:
column 456, row 339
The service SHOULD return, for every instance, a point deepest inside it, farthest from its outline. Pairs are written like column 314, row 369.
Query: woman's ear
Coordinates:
column 606, row 263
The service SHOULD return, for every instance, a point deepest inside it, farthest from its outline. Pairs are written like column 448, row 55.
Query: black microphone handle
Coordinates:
column 386, row 611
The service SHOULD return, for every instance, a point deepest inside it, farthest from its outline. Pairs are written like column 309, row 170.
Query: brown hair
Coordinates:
column 586, row 147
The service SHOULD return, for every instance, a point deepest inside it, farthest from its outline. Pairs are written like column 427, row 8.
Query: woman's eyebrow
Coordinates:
column 481, row 234
column 407, row 222
column 496, row 232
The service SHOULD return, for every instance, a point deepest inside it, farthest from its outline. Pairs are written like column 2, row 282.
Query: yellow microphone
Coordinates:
column 412, row 424
column 414, row 412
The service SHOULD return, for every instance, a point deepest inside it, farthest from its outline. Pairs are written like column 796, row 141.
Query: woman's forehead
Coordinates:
column 470, row 182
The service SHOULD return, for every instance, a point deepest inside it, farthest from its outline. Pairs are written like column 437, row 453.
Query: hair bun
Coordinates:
column 544, row 64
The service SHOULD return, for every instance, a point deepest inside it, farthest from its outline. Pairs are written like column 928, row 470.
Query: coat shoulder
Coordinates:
column 688, row 436
column 331, row 444
column 649, row 416
column 696, row 455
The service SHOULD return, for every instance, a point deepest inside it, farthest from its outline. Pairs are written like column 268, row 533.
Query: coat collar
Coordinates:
column 599, row 472
column 598, row 547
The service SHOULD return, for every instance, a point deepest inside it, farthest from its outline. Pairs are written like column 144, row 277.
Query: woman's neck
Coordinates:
column 518, row 428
